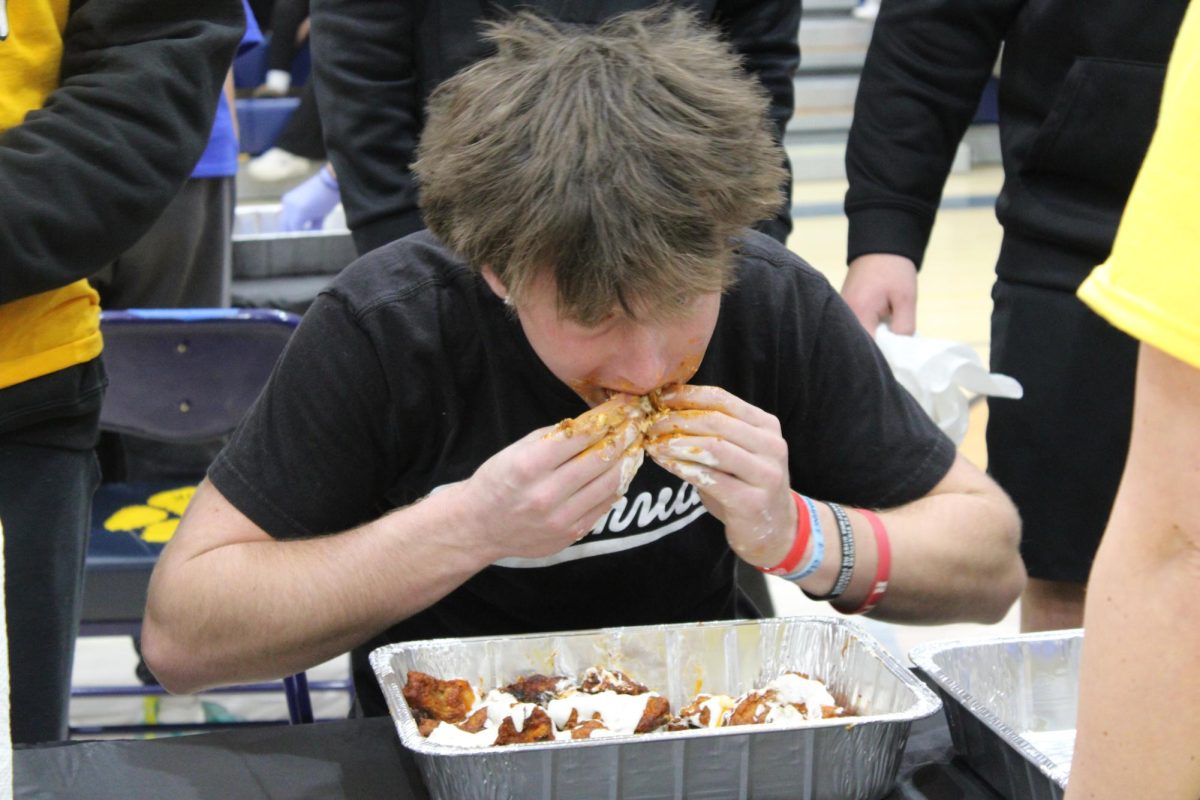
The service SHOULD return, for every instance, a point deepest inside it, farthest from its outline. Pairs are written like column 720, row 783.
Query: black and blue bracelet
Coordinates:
column 846, row 570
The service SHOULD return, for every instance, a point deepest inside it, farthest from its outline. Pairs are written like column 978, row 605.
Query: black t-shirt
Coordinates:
column 408, row 372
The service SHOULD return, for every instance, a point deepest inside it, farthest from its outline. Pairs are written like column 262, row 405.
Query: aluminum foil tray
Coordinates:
column 253, row 219
column 261, row 250
column 1010, row 704
column 828, row 759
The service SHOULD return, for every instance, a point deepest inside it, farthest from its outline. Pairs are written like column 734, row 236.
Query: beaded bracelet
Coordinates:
column 846, row 570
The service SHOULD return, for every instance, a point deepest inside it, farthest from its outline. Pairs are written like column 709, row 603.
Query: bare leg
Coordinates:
column 1051, row 605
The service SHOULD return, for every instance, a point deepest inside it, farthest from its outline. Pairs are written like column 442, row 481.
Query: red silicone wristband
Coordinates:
column 883, row 566
column 803, row 531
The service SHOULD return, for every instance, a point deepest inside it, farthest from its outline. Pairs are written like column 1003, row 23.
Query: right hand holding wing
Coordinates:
column 545, row 491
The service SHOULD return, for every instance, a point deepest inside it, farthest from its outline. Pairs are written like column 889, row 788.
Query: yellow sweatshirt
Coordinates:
column 54, row 330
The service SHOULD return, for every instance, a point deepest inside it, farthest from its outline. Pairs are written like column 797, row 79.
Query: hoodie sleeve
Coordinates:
column 926, row 67
column 84, row 176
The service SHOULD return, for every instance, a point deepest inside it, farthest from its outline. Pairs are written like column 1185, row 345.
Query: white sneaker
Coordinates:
column 277, row 164
column 866, row 9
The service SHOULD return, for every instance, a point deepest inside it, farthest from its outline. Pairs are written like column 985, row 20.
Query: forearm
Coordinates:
column 231, row 101
column 953, row 558
column 1139, row 708
column 262, row 609
column 1139, row 704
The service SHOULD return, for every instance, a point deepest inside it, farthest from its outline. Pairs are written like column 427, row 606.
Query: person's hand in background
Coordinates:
column 881, row 287
column 306, row 206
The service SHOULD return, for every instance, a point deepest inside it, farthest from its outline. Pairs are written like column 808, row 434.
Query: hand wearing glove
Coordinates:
column 306, row 206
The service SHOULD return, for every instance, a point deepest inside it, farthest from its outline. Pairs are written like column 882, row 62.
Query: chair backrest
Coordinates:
column 187, row 375
column 177, row 376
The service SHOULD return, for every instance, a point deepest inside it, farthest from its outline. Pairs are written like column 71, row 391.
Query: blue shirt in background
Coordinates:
column 220, row 158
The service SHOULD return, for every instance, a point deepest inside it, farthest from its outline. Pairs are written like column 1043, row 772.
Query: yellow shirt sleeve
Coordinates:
column 1150, row 285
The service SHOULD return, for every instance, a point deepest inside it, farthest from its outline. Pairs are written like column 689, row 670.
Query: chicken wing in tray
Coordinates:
column 542, row 708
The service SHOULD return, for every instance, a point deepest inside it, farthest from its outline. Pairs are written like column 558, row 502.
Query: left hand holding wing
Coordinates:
column 735, row 455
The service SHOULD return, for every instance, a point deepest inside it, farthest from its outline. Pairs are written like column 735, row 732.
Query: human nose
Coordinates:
column 643, row 361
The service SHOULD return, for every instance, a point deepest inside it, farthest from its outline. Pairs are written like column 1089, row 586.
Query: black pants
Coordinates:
column 262, row 11
column 286, row 16
column 303, row 135
column 48, row 474
column 185, row 260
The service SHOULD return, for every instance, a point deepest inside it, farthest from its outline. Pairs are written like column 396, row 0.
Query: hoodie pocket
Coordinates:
column 1100, row 125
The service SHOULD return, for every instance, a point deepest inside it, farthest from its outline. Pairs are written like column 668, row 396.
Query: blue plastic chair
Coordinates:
column 179, row 377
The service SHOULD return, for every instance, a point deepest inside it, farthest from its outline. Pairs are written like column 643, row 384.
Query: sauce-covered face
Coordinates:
column 620, row 353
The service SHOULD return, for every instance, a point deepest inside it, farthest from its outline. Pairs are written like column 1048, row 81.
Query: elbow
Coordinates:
column 169, row 659
column 1004, row 591
column 1008, row 577
column 169, row 647
column 994, row 595
column 163, row 649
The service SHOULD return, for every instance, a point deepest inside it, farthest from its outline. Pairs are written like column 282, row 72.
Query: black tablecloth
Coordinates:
column 352, row 759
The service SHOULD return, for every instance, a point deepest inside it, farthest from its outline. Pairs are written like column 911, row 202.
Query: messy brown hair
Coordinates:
column 620, row 158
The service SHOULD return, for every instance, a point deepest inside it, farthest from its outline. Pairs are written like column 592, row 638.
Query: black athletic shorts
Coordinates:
column 1060, row 450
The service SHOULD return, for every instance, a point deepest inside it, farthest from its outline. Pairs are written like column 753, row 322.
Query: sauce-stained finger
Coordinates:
column 610, row 428
column 631, row 462
column 616, row 441
column 691, row 422
column 598, row 495
column 605, row 440
column 686, row 395
column 713, row 398
column 596, row 420
column 712, row 456
column 693, row 449
column 598, row 430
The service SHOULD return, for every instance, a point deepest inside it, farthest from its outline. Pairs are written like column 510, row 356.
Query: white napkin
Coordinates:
column 938, row 373
column 6, row 769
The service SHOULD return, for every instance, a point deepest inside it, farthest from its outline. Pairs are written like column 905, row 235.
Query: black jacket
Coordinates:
column 376, row 62
column 1079, row 91
column 87, row 174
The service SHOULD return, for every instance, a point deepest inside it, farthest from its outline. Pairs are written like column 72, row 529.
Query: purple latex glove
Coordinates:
column 306, row 206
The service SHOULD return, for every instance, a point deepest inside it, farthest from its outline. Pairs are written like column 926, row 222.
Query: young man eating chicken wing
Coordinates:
column 408, row 472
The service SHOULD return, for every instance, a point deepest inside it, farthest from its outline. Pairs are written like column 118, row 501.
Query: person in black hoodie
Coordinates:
column 105, row 105
column 1079, row 91
column 375, row 63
